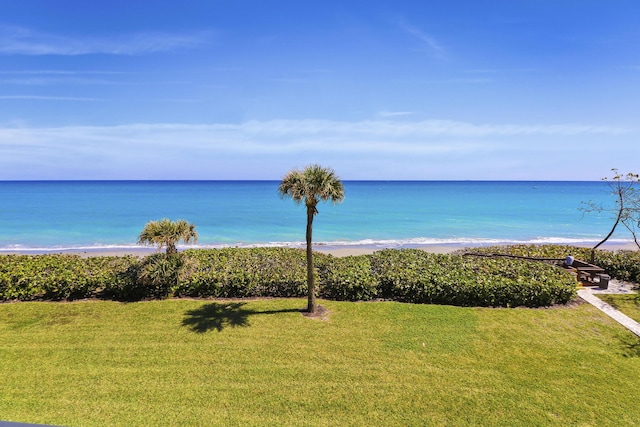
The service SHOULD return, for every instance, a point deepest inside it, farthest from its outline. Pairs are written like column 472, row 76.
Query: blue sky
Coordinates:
column 197, row 89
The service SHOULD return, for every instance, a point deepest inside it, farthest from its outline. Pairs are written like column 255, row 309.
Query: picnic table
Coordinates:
column 588, row 272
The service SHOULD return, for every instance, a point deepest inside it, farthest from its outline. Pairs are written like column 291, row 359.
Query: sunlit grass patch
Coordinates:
column 260, row 362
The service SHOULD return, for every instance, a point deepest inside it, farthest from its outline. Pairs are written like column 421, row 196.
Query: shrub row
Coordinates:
column 60, row 277
column 622, row 265
column 226, row 273
column 404, row 275
column 347, row 279
column 420, row 277
column 240, row 272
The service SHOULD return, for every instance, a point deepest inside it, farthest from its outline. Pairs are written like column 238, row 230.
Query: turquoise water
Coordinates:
column 106, row 214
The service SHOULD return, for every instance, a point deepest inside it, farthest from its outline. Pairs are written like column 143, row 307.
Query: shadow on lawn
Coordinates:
column 222, row 315
column 630, row 346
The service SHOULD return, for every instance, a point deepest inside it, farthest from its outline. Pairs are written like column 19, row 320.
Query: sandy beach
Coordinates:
column 339, row 251
column 441, row 249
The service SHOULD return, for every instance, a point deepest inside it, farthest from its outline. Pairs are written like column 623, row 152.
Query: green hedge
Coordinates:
column 59, row 277
column 403, row 275
column 416, row 276
column 622, row 265
column 347, row 279
column 245, row 272
column 154, row 276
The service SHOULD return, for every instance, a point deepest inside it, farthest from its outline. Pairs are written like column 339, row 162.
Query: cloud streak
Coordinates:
column 430, row 43
column 15, row 40
column 58, row 72
column 294, row 128
column 47, row 98
column 389, row 128
column 266, row 148
column 385, row 114
column 303, row 134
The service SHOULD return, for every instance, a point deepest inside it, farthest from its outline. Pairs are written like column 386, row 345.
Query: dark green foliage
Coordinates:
column 59, row 277
column 416, row 276
column 155, row 276
column 126, row 288
column 541, row 251
column 244, row 272
column 347, row 279
column 403, row 275
column 622, row 265
column 160, row 273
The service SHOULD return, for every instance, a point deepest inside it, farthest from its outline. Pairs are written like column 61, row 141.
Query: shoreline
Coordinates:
column 335, row 250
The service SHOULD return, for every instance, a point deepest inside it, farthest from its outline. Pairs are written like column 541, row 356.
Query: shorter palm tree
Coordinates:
column 166, row 233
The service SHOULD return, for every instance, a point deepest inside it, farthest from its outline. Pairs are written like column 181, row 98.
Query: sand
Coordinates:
column 333, row 250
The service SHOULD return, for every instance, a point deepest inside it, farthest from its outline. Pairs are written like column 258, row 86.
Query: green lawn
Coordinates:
column 259, row 362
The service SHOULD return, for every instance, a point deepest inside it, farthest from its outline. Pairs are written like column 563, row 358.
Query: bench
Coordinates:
column 586, row 272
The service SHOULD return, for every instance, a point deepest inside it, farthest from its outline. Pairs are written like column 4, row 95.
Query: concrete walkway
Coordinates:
column 589, row 295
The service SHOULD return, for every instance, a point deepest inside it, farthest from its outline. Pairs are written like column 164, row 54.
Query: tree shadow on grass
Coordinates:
column 223, row 315
column 630, row 345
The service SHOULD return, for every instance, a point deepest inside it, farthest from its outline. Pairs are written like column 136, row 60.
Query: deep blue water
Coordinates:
column 105, row 214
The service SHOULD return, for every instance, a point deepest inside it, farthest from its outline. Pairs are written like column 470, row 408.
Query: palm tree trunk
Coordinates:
column 171, row 249
column 311, row 294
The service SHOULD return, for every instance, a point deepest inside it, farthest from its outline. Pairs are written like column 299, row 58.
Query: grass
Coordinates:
column 259, row 362
column 628, row 304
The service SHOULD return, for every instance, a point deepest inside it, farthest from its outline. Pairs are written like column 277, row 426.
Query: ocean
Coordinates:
column 85, row 215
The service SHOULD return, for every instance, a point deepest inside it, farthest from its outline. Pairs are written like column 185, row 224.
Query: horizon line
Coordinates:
column 277, row 180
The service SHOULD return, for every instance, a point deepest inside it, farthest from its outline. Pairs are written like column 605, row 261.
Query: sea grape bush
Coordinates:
column 245, row 272
column 403, row 275
column 347, row 279
column 622, row 265
column 416, row 276
column 154, row 276
column 541, row 251
column 58, row 277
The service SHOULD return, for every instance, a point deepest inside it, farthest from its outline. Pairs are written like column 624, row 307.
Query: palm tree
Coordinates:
column 311, row 185
column 166, row 233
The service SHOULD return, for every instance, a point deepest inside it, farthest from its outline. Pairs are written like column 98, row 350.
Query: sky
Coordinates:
column 377, row 90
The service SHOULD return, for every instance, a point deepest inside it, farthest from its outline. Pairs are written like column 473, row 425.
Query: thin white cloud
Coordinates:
column 47, row 98
column 423, row 128
column 470, row 81
column 266, row 148
column 90, row 77
column 303, row 134
column 501, row 70
column 58, row 72
column 42, row 81
column 16, row 40
column 180, row 100
column 429, row 42
column 395, row 113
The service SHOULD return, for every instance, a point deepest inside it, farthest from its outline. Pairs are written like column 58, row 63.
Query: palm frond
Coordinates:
column 311, row 185
column 166, row 233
